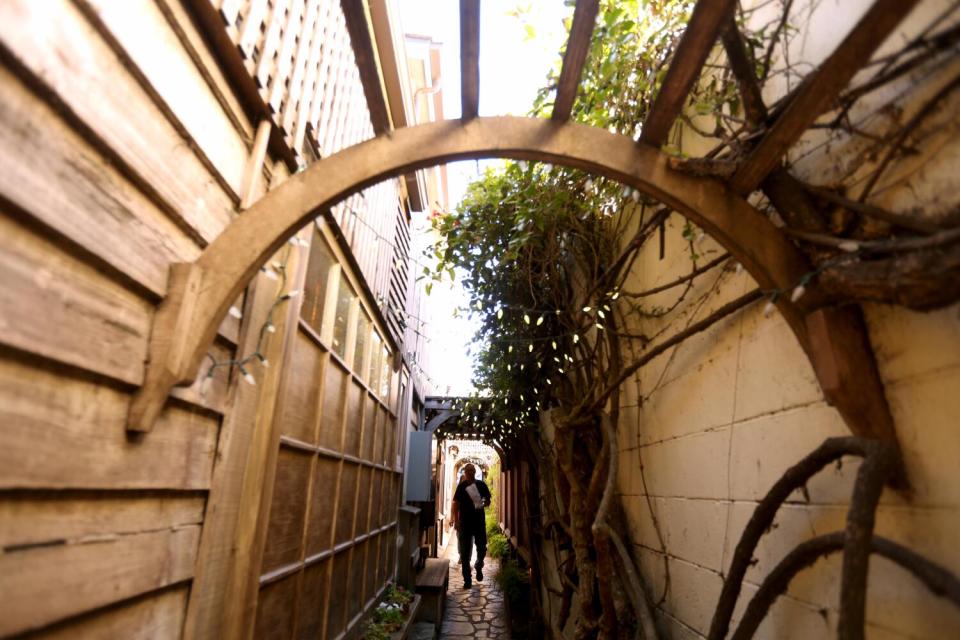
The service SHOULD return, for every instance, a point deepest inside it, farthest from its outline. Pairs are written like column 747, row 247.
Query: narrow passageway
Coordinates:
column 478, row 612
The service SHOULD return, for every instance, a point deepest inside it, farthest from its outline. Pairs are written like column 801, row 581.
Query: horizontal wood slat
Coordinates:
column 709, row 17
column 57, row 306
column 141, row 33
column 46, row 584
column 578, row 45
column 93, row 205
column 65, row 55
column 152, row 616
column 46, row 517
column 76, row 427
column 819, row 90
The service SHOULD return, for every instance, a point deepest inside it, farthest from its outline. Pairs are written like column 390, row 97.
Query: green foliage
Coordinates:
column 497, row 545
column 534, row 242
column 493, row 528
column 397, row 595
column 514, row 582
column 375, row 631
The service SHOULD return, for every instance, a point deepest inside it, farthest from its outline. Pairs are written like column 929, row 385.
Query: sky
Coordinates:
column 520, row 40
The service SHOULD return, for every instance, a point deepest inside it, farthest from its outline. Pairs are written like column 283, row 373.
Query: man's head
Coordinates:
column 469, row 471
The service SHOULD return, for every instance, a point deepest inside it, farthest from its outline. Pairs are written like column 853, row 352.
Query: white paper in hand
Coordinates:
column 474, row 494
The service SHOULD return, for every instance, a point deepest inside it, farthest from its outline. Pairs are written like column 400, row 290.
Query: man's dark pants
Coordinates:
column 465, row 540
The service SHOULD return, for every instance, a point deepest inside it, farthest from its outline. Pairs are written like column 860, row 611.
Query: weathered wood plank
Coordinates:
column 469, row 58
column 365, row 55
column 138, row 27
column 198, row 49
column 64, row 55
column 819, row 90
column 56, row 306
column 43, row 585
column 709, row 17
column 230, row 549
column 45, row 517
column 155, row 615
column 216, row 557
column 65, row 432
column 578, row 45
column 50, row 172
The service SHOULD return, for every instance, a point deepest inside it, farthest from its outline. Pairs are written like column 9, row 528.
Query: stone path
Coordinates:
column 477, row 612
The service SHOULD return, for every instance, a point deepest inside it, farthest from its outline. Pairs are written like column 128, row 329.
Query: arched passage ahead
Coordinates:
column 200, row 293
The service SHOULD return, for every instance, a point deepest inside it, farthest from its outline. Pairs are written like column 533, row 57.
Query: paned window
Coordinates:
column 341, row 323
column 318, row 276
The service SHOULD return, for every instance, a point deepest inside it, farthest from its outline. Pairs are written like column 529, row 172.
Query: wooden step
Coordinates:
column 432, row 582
column 434, row 575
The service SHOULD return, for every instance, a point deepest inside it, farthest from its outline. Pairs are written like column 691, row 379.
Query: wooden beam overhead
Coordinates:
column 708, row 19
column 819, row 90
column 584, row 18
column 469, row 58
column 365, row 55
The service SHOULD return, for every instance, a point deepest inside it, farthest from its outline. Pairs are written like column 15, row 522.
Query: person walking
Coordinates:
column 469, row 501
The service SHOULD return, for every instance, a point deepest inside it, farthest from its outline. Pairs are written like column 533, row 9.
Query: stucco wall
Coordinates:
column 709, row 426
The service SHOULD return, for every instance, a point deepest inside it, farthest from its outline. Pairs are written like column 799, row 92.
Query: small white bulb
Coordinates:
column 768, row 309
column 849, row 246
column 249, row 379
column 635, row 195
column 798, row 292
column 236, row 313
column 588, row 185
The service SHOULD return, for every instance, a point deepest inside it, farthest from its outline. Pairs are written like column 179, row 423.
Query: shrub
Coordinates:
column 498, row 546
column 492, row 528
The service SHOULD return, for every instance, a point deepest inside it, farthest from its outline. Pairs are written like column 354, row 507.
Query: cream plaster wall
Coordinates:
column 709, row 426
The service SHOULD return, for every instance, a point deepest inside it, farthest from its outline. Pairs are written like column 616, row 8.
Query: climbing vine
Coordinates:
column 545, row 252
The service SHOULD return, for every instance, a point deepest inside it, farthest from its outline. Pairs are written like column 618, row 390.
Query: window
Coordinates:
column 373, row 375
column 385, row 376
column 315, row 286
column 363, row 331
column 341, row 323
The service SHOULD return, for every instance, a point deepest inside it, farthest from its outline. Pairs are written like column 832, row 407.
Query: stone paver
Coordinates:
column 477, row 612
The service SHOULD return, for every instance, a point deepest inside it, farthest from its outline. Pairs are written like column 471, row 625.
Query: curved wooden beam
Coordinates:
column 201, row 293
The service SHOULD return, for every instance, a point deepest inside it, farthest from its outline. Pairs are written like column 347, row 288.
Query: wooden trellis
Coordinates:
column 834, row 339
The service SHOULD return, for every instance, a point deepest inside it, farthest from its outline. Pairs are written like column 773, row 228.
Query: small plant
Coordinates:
column 389, row 615
column 493, row 529
column 375, row 631
column 498, row 546
column 396, row 594
column 513, row 582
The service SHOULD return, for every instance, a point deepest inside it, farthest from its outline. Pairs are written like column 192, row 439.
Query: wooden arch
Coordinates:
column 200, row 293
